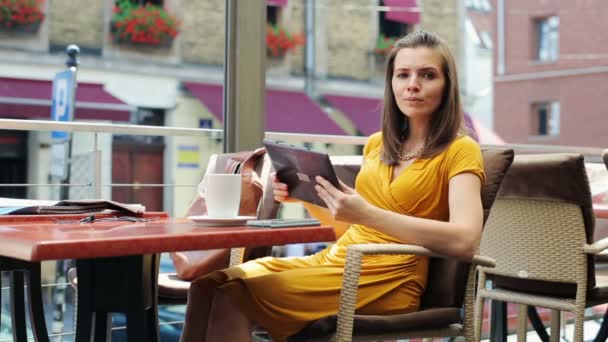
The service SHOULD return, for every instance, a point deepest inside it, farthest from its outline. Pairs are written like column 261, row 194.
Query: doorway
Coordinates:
column 13, row 163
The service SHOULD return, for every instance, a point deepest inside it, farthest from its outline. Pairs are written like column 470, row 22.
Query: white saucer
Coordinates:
column 220, row 222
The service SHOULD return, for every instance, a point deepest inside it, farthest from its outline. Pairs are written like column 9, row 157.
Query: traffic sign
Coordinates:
column 62, row 108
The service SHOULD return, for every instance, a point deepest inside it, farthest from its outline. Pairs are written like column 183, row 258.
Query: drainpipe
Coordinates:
column 310, row 48
column 500, row 32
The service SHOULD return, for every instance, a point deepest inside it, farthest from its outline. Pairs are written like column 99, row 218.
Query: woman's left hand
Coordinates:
column 346, row 204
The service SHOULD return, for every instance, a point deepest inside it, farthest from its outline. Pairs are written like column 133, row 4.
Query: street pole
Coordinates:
column 59, row 293
column 71, row 64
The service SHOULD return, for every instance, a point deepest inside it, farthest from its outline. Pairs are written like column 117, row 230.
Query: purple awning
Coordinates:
column 403, row 11
column 210, row 95
column 365, row 113
column 276, row 2
column 25, row 98
column 286, row 111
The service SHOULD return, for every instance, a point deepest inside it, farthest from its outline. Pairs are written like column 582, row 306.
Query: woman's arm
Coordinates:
column 459, row 237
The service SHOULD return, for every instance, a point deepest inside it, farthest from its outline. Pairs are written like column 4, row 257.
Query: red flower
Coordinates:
column 146, row 24
column 279, row 41
column 15, row 13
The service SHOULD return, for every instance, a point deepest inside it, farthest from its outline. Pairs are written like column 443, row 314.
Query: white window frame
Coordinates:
column 547, row 39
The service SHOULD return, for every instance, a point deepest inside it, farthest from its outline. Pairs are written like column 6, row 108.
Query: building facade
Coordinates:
column 177, row 82
column 550, row 71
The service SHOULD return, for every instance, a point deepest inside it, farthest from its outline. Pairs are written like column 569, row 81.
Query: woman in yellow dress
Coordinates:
column 419, row 184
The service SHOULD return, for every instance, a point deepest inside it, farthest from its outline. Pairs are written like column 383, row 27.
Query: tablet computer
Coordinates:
column 298, row 166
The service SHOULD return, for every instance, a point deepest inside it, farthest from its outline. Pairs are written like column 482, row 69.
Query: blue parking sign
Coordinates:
column 62, row 108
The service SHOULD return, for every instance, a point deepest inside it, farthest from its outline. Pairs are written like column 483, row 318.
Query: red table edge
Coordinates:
column 49, row 251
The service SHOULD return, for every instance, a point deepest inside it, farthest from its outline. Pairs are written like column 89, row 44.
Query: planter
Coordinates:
column 22, row 29
column 165, row 43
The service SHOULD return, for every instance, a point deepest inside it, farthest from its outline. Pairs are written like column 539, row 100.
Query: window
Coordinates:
column 547, row 30
column 272, row 15
column 545, row 119
column 390, row 28
column 486, row 40
column 478, row 5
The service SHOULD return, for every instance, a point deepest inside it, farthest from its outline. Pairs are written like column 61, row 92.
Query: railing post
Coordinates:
column 96, row 167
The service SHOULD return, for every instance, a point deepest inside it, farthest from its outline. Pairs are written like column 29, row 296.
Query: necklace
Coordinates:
column 411, row 155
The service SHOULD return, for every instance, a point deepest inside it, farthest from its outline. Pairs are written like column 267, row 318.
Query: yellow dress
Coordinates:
column 283, row 295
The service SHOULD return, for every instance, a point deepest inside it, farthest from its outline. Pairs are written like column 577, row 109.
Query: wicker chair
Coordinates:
column 450, row 282
column 540, row 234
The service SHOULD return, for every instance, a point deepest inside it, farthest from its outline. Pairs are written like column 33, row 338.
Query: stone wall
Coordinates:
column 350, row 34
column 202, row 32
column 442, row 17
column 77, row 22
column 293, row 18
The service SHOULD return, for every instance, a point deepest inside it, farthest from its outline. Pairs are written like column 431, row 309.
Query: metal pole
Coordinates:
column 245, row 75
column 61, row 265
column 310, row 47
column 229, row 77
column 72, row 64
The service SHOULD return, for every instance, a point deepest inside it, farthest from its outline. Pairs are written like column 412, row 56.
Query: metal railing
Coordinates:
column 591, row 154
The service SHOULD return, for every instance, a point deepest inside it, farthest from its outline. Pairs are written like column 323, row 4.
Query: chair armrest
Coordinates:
column 367, row 249
column 352, row 271
column 596, row 247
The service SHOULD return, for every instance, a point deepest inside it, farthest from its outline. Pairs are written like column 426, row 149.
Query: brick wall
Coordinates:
column 582, row 97
column 76, row 22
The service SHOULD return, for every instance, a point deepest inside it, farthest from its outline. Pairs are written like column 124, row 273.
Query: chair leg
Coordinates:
column 479, row 317
column 602, row 334
column 36, row 306
column 537, row 323
column 498, row 326
column 555, row 325
column 522, row 323
column 18, row 307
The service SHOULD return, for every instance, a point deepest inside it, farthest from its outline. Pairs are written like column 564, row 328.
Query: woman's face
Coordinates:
column 418, row 81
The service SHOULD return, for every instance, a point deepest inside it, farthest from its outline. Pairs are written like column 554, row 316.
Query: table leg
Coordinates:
column 118, row 284
column 498, row 321
column 18, row 307
column 84, row 310
column 103, row 324
column 36, row 307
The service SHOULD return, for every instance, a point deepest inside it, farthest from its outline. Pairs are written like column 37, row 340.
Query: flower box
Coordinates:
column 24, row 16
column 279, row 41
column 146, row 25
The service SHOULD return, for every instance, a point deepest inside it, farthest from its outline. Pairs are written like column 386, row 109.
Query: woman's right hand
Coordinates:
column 280, row 191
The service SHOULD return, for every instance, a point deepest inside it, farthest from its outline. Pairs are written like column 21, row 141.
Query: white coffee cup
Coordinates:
column 222, row 193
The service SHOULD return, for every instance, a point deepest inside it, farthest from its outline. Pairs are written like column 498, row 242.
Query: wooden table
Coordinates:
column 117, row 262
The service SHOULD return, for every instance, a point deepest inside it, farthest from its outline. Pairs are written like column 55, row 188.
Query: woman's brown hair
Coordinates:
column 446, row 122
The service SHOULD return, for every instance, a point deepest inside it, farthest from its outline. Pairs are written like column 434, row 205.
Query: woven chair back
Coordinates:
column 536, row 239
column 539, row 223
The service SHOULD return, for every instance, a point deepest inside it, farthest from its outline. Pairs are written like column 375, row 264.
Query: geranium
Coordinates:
column 279, row 41
column 384, row 45
column 147, row 24
column 19, row 13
